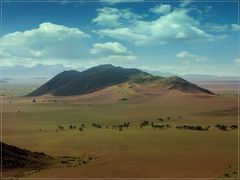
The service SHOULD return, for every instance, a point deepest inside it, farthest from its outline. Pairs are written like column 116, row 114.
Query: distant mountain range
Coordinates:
column 31, row 75
column 94, row 79
column 42, row 73
column 197, row 77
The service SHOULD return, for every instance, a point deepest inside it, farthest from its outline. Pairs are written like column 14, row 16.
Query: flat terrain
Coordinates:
column 220, row 87
column 133, row 152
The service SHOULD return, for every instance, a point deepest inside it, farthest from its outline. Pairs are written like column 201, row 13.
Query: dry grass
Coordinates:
column 133, row 152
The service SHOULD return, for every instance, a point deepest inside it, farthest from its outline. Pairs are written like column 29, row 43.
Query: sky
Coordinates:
column 183, row 37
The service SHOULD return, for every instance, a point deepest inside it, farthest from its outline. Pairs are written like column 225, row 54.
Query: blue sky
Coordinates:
column 185, row 37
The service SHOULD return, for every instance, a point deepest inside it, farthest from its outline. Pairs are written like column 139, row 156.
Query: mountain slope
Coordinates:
column 14, row 157
column 91, row 80
column 177, row 83
column 99, row 77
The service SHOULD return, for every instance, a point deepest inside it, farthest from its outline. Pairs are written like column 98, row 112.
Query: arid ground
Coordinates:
column 131, row 152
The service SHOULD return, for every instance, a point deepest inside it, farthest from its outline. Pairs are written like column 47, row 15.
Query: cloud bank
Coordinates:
column 174, row 26
column 161, row 9
column 48, row 41
column 109, row 48
column 112, row 51
column 188, row 57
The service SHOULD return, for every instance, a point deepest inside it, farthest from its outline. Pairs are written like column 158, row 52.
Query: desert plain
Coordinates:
column 33, row 123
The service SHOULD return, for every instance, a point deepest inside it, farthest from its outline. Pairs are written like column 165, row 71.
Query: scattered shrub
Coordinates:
column 65, row 162
column 61, row 127
column 226, row 174
column 96, row 125
column 144, row 123
column 222, row 127
column 160, row 119
column 198, row 128
column 233, row 126
column 123, row 99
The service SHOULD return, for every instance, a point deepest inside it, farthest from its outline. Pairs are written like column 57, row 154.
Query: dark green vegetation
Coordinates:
column 198, row 128
column 76, row 83
column 146, row 124
column 14, row 157
column 225, row 127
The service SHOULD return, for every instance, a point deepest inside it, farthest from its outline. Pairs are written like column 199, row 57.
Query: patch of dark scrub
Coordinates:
column 225, row 127
column 14, row 158
column 96, row 125
column 120, row 127
column 123, row 99
column 197, row 128
column 226, row 112
column 233, row 127
column 68, row 161
column 222, row 127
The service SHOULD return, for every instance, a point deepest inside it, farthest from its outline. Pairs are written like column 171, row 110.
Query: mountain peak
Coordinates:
column 99, row 77
column 88, row 81
column 178, row 83
column 105, row 66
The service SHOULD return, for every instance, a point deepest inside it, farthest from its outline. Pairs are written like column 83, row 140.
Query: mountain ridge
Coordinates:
column 72, row 82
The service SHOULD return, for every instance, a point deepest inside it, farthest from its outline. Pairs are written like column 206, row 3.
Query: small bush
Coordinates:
column 123, row 99
column 64, row 162
column 226, row 174
column 233, row 126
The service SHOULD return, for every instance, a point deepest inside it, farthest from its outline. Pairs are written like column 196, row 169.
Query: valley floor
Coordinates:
column 133, row 152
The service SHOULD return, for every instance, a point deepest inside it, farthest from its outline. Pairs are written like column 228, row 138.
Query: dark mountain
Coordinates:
column 99, row 77
column 14, row 157
column 88, row 81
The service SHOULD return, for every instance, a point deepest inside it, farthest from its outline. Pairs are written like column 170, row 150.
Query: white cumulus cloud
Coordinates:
column 221, row 27
column 48, row 41
column 120, row 58
column 161, row 9
column 174, row 26
column 185, row 3
column 235, row 27
column 120, row 1
column 189, row 57
column 109, row 48
column 112, row 51
column 112, row 17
